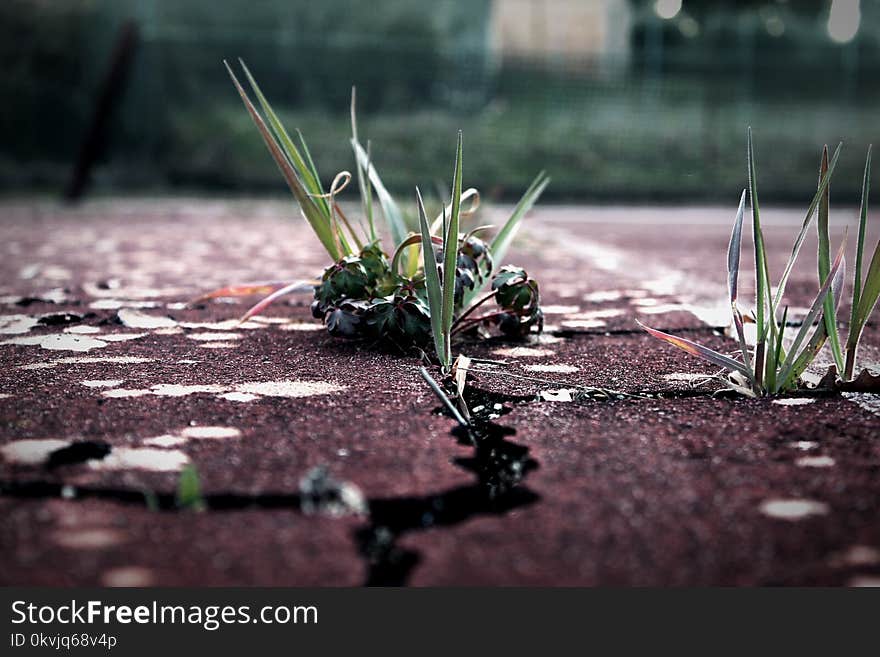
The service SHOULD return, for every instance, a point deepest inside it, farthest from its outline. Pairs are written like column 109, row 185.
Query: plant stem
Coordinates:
column 850, row 363
column 473, row 308
column 477, row 320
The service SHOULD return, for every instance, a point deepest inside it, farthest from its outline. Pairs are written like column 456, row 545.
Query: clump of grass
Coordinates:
column 774, row 365
column 429, row 286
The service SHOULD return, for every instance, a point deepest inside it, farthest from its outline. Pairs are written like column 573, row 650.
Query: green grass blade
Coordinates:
column 855, row 331
column 501, row 242
column 762, row 277
column 189, row 490
column 815, row 308
column 870, row 291
column 700, row 351
column 319, row 222
column 820, row 192
column 734, row 249
column 829, row 315
column 308, row 174
column 364, row 186
column 450, row 250
column 390, row 209
column 432, row 285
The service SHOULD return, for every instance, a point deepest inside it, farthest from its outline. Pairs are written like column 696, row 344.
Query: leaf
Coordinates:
column 450, row 255
column 308, row 173
column 432, row 285
column 504, row 238
column 700, row 351
column 855, row 329
column 733, row 256
column 189, row 490
column 870, row 291
column 815, row 308
column 276, row 294
column 390, row 209
column 823, row 185
column 762, row 285
column 317, row 220
column 829, row 315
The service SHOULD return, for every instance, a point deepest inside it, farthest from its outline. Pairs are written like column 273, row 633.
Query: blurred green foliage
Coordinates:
column 666, row 122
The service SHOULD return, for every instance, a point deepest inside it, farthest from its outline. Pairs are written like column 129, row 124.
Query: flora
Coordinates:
column 430, row 286
column 775, row 364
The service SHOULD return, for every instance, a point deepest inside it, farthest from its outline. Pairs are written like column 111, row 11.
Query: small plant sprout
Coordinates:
column 429, row 286
column 189, row 490
column 775, row 364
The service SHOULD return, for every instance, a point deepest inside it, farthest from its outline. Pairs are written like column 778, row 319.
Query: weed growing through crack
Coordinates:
column 775, row 365
column 398, row 297
column 189, row 490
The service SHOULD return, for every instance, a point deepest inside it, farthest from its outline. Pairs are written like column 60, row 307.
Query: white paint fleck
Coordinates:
column 176, row 390
column 87, row 360
column 31, row 451
column 289, row 388
column 17, row 324
column 171, row 330
column 139, row 320
column 213, row 336
column 239, row 396
column 603, row 295
column 263, row 319
column 176, row 305
column 856, row 555
column 123, row 393
column 794, row 401
column 60, row 342
column 142, row 458
column 211, row 432
column 225, row 325
column 582, row 323
column 89, row 539
column 83, row 329
column 218, row 345
column 792, row 509
column 555, row 369
column 596, row 314
column 164, row 441
column 522, row 352
column 814, row 462
column 102, row 383
column 559, row 310
column 688, row 377
column 4, row 395
column 128, row 576
column 805, row 445
column 302, row 326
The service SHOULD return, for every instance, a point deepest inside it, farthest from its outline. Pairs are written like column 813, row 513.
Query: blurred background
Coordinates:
column 619, row 100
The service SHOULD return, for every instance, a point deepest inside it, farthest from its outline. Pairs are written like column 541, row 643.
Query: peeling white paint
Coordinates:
column 87, row 360
column 805, row 445
column 601, row 296
column 17, row 324
column 559, row 310
column 102, row 383
column 794, row 401
column 128, row 576
column 605, row 313
column 142, row 458
column 211, row 432
column 139, row 320
column 88, row 539
column 115, row 304
column 792, row 509
column 582, row 323
column 122, row 393
column 218, row 345
column 121, row 337
column 166, row 440
column 176, row 390
column 522, row 352
column 855, row 556
column 302, row 326
column 866, row 400
column 239, row 396
column 83, row 329
column 865, row 581
column 555, row 369
column 60, row 342
column 289, row 388
column 564, row 395
column 214, row 337
column 225, row 325
column 31, row 451
column 814, row 462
